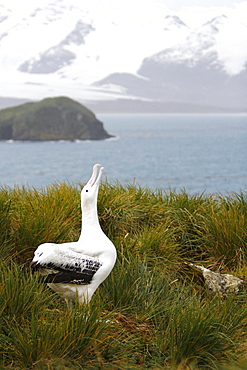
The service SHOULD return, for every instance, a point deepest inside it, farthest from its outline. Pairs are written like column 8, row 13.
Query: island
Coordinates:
column 59, row 118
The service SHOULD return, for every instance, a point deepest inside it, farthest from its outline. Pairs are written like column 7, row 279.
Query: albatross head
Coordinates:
column 90, row 191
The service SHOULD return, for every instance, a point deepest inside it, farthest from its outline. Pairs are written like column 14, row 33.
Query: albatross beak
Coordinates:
column 94, row 180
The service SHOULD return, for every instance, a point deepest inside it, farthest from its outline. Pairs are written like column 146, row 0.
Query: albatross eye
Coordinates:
column 86, row 191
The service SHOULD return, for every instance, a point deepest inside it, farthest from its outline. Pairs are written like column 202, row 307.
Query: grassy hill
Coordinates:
column 50, row 119
column 151, row 312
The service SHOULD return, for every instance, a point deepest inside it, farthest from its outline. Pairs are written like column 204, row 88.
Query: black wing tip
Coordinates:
column 69, row 278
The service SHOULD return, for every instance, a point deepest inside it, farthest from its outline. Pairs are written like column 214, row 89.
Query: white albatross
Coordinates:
column 76, row 269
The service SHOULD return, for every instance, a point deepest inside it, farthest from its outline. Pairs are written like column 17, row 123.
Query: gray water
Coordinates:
column 199, row 153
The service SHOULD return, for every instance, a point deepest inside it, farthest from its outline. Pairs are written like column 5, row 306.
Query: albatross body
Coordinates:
column 77, row 269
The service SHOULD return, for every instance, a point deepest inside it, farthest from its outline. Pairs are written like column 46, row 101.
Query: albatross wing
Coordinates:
column 65, row 266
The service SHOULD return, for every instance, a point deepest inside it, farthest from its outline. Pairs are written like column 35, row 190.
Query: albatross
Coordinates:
column 76, row 269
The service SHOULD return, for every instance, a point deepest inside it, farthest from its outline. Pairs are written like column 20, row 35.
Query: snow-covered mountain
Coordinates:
column 106, row 53
column 192, row 72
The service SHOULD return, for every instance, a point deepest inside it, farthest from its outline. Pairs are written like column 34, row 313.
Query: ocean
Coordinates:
column 199, row 153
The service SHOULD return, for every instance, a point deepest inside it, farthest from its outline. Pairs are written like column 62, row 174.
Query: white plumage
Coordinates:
column 77, row 269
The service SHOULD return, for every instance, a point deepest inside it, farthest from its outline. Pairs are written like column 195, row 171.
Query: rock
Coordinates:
column 224, row 284
column 51, row 119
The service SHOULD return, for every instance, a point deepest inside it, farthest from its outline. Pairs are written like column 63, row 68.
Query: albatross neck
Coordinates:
column 90, row 216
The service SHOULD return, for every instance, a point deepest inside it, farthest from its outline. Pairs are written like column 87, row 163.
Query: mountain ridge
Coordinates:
column 95, row 58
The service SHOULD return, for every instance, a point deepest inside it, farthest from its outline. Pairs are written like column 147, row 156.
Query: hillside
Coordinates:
column 51, row 119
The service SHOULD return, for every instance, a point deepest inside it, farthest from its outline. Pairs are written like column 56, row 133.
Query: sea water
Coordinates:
column 196, row 152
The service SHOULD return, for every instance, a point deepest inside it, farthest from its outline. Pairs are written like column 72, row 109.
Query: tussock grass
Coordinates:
column 35, row 217
column 224, row 230
column 192, row 335
column 148, row 314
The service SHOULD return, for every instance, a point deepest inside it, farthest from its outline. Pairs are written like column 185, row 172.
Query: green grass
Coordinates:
column 150, row 313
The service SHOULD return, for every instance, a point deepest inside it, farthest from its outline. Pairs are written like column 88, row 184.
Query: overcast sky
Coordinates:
column 192, row 12
column 178, row 4
column 172, row 4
